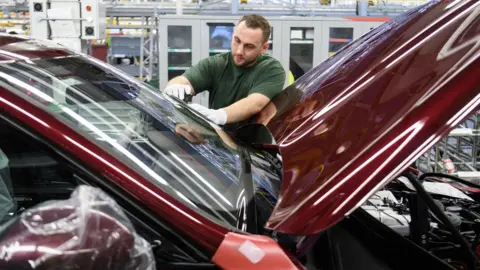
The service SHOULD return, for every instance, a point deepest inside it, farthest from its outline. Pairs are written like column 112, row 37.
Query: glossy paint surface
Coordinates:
column 208, row 174
column 364, row 115
column 255, row 252
column 205, row 232
column 13, row 47
column 86, row 231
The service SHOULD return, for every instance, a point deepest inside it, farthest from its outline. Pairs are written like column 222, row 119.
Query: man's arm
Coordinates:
column 269, row 85
column 238, row 111
column 246, row 107
column 272, row 81
column 266, row 114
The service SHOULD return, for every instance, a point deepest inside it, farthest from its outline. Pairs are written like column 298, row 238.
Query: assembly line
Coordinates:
column 309, row 135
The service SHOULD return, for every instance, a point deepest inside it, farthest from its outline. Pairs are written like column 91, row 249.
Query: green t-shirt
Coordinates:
column 228, row 83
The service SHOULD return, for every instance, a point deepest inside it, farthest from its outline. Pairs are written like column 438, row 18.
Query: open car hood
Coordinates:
column 354, row 122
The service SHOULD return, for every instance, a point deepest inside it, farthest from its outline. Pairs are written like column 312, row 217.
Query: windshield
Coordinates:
column 190, row 158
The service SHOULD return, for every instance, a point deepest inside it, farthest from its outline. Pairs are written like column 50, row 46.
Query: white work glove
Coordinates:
column 218, row 117
column 178, row 90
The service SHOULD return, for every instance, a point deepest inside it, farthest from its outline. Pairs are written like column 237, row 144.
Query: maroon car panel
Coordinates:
column 204, row 231
column 24, row 48
column 368, row 112
column 87, row 231
column 239, row 251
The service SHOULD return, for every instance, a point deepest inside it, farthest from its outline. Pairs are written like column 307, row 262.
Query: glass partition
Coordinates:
column 338, row 38
column 301, row 50
column 270, row 41
column 220, row 37
column 179, row 49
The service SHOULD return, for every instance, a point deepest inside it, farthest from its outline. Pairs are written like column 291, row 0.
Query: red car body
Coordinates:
column 344, row 129
column 371, row 110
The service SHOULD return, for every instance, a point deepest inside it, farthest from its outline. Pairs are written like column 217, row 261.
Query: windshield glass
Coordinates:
column 190, row 158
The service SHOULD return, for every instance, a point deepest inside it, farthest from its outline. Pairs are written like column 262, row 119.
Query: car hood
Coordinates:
column 357, row 120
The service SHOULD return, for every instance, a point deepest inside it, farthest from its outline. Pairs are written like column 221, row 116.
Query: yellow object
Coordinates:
column 291, row 79
column 371, row 3
column 243, row 1
column 6, row 24
column 324, row 2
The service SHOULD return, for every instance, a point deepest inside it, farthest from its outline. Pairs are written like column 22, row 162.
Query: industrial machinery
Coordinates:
column 68, row 22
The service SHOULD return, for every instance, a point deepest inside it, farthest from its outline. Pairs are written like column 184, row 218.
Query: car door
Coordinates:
column 33, row 171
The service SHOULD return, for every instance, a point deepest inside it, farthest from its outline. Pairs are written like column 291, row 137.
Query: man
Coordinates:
column 240, row 82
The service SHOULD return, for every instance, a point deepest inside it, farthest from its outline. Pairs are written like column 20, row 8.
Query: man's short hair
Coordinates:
column 256, row 21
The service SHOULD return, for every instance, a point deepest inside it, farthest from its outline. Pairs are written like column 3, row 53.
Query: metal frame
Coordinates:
column 276, row 41
column 205, row 30
column 147, row 48
column 163, row 65
column 287, row 25
column 462, row 146
column 357, row 32
column 135, row 8
column 367, row 26
column 147, row 51
column 163, row 23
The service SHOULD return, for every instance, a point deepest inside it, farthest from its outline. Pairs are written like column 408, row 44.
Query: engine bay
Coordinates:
column 399, row 206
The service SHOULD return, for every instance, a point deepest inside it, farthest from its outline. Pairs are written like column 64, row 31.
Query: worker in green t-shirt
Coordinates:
column 241, row 82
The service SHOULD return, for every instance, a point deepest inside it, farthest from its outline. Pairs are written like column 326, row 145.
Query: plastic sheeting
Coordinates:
column 87, row 231
column 7, row 204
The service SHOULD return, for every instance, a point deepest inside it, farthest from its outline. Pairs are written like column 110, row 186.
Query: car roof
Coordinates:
column 18, row 47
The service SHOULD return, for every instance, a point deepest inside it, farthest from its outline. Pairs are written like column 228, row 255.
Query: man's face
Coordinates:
column 247, row 45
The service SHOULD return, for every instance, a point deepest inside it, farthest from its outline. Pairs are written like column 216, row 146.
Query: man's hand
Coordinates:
column 219, row 117
column 190, row 132
column 178, row 90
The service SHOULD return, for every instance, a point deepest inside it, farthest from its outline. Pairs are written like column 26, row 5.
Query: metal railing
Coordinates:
column 461, row 148
column 268, row 7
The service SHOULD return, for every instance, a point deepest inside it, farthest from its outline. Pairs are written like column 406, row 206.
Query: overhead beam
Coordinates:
column 142, row 9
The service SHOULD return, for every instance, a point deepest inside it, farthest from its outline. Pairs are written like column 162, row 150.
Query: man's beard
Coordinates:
column 246, row 64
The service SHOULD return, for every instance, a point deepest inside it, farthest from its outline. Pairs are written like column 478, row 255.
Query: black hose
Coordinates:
column 441, row 215
column 451, row 177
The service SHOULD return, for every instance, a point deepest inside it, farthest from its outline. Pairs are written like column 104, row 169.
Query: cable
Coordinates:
column 393, row 206
column 440, row 214
column 451, row 177
column 385, row 213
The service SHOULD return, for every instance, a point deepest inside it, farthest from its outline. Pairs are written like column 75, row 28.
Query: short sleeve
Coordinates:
column 200, row 75
column 271, row 82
